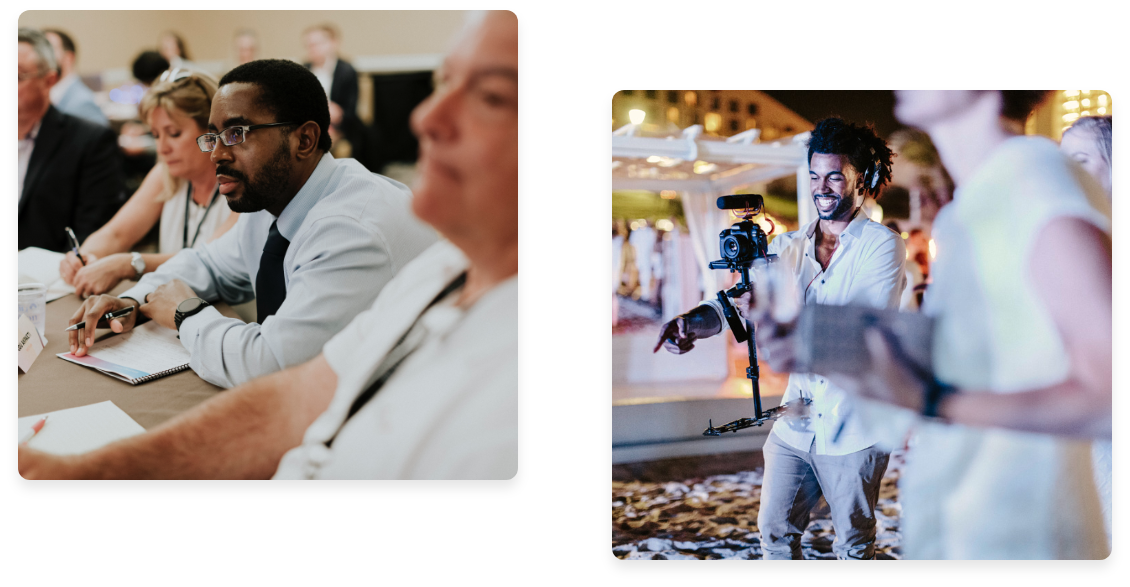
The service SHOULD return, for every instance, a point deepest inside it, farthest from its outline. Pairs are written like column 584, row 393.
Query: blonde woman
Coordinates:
column 1088, row 143
column 180, row 192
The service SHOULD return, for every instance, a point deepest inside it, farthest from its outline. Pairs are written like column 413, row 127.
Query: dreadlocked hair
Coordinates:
column 866, row 152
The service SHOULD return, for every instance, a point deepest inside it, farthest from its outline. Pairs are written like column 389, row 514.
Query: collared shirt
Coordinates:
column 866, row 269
column 62, row 86
column 350, row 231
column 325, row 73
column 27, row 145
column 973, row 492
column 450, row 411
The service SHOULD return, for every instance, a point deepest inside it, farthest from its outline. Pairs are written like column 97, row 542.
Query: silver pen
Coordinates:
column 107, row 317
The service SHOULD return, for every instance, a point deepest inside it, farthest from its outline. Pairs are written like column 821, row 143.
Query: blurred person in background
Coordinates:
column 69, row 94
column 616, row 273
column 1022, row 359
column 171, row 46
column 69, row 170
column 246, row 44
column 442, row 403
column 841, row 257
column 1088, row 142
column 180, row 192
column 148, row 66
column 338, row 78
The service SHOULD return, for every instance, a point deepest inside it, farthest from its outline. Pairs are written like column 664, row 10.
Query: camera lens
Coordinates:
column 731, row 247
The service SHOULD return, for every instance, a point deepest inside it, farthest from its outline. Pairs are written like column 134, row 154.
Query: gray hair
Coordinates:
column 42, row 47
column 1100, row 128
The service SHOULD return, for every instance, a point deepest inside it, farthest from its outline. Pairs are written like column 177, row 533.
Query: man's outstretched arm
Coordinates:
column 241, row 433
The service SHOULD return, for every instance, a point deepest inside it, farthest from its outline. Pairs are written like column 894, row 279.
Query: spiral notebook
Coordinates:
column 147, row 352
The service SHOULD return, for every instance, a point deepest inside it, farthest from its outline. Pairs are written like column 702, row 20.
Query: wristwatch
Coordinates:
column 189, row 307
column 138, row 265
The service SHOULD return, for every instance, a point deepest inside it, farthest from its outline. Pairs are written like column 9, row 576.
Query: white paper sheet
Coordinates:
column 42, row 266
column 79, row 430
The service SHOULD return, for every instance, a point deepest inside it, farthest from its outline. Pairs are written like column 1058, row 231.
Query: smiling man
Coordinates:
column 840, row 258
column 318, row 239
column 423, row 385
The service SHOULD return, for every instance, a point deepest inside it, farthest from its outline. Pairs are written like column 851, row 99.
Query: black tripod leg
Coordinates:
column 752, row 372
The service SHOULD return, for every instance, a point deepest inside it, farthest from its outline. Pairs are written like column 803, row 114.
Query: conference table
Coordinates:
column 54, row 384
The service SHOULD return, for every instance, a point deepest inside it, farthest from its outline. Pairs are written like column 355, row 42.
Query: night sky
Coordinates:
column 876, row 107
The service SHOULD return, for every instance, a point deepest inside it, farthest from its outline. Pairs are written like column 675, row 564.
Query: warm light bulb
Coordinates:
column 637, row 116
column 933, row 249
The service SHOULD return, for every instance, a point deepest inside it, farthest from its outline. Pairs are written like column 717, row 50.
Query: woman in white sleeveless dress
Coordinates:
column 180, row 192
column 1088, row 143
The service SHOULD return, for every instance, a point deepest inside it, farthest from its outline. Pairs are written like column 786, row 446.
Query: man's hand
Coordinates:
column 161, row 305
column 91, row 312
column 70, row 266
column 889, row 380
column 102, row 275
column 675, row 337
column 34, row 464
column 776, row 344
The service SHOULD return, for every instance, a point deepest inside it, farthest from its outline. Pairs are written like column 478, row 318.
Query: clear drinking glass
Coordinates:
column 33, row 303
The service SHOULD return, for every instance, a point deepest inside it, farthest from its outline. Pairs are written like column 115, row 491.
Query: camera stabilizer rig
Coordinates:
column 741, row 245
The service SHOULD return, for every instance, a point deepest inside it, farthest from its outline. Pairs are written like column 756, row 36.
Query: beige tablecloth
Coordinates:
column 54, row 384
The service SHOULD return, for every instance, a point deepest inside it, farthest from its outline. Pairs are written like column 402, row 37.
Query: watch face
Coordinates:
column 189, row 305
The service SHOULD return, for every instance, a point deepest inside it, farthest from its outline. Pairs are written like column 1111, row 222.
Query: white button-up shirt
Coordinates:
column 350, row 232
column 866, row 269
column 449, row 411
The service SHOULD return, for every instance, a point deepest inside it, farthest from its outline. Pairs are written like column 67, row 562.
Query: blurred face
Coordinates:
column 923, row 108
column 467, row 183
column 168, row 47
column 176, row 135
column 34, row 85
column 319, row 46
column 833, row 182
column 65, row 58
column 246, row 48
column 254, row 174
column 1082, row 146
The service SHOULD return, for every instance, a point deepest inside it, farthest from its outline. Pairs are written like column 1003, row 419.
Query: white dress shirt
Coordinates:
column 450, row 411
column 971, row 492
column 866, row 269
column 26, row 146
column 350, row 231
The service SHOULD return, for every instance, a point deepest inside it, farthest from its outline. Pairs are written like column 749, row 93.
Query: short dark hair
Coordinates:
column 290, row 91
column 148, row 66
column 64, row 39
column 863, row 148
column 1018, row 104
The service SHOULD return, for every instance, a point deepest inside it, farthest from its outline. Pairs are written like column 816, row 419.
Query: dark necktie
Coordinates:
column 270, row 283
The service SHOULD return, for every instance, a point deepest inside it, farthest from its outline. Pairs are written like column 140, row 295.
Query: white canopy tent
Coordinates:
column 701, row 169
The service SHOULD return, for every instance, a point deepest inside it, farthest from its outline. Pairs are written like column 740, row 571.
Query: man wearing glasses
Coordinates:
column 318, row 239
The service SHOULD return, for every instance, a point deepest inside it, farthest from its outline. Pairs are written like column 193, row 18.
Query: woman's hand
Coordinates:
column 70, row 266
column 102, row 275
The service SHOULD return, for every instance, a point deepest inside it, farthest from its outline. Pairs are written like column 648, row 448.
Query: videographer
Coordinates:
column 841, row 258
column 1022, row 306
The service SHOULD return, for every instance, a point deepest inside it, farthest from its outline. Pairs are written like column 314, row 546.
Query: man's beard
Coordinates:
column 840, row 212
column 268, row 187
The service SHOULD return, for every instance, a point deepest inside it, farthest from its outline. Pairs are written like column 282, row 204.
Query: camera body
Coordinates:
column 741, row 245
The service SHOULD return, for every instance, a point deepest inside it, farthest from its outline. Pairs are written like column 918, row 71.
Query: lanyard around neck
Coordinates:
column 188, row 200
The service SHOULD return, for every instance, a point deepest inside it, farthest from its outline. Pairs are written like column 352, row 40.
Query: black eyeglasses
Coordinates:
column 231, row 136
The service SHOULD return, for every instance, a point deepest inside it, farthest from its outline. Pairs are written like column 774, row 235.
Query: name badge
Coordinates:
column 30, row 343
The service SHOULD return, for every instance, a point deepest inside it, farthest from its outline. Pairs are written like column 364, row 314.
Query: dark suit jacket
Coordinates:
column 345, row 90
column 74, row 178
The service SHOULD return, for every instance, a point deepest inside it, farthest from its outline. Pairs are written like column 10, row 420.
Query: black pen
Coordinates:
column 74, row 245
column 107, row 317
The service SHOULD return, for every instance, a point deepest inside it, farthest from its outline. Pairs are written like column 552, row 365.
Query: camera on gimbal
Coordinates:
column 740, row 245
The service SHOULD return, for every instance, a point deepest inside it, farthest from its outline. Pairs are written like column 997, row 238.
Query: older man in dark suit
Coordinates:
column 69, row 168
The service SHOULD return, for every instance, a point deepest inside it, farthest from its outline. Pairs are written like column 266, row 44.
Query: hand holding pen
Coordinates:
column 108, row 316
column 97, row 309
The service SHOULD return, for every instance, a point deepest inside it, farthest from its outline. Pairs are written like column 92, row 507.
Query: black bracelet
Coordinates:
column 932, row 397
